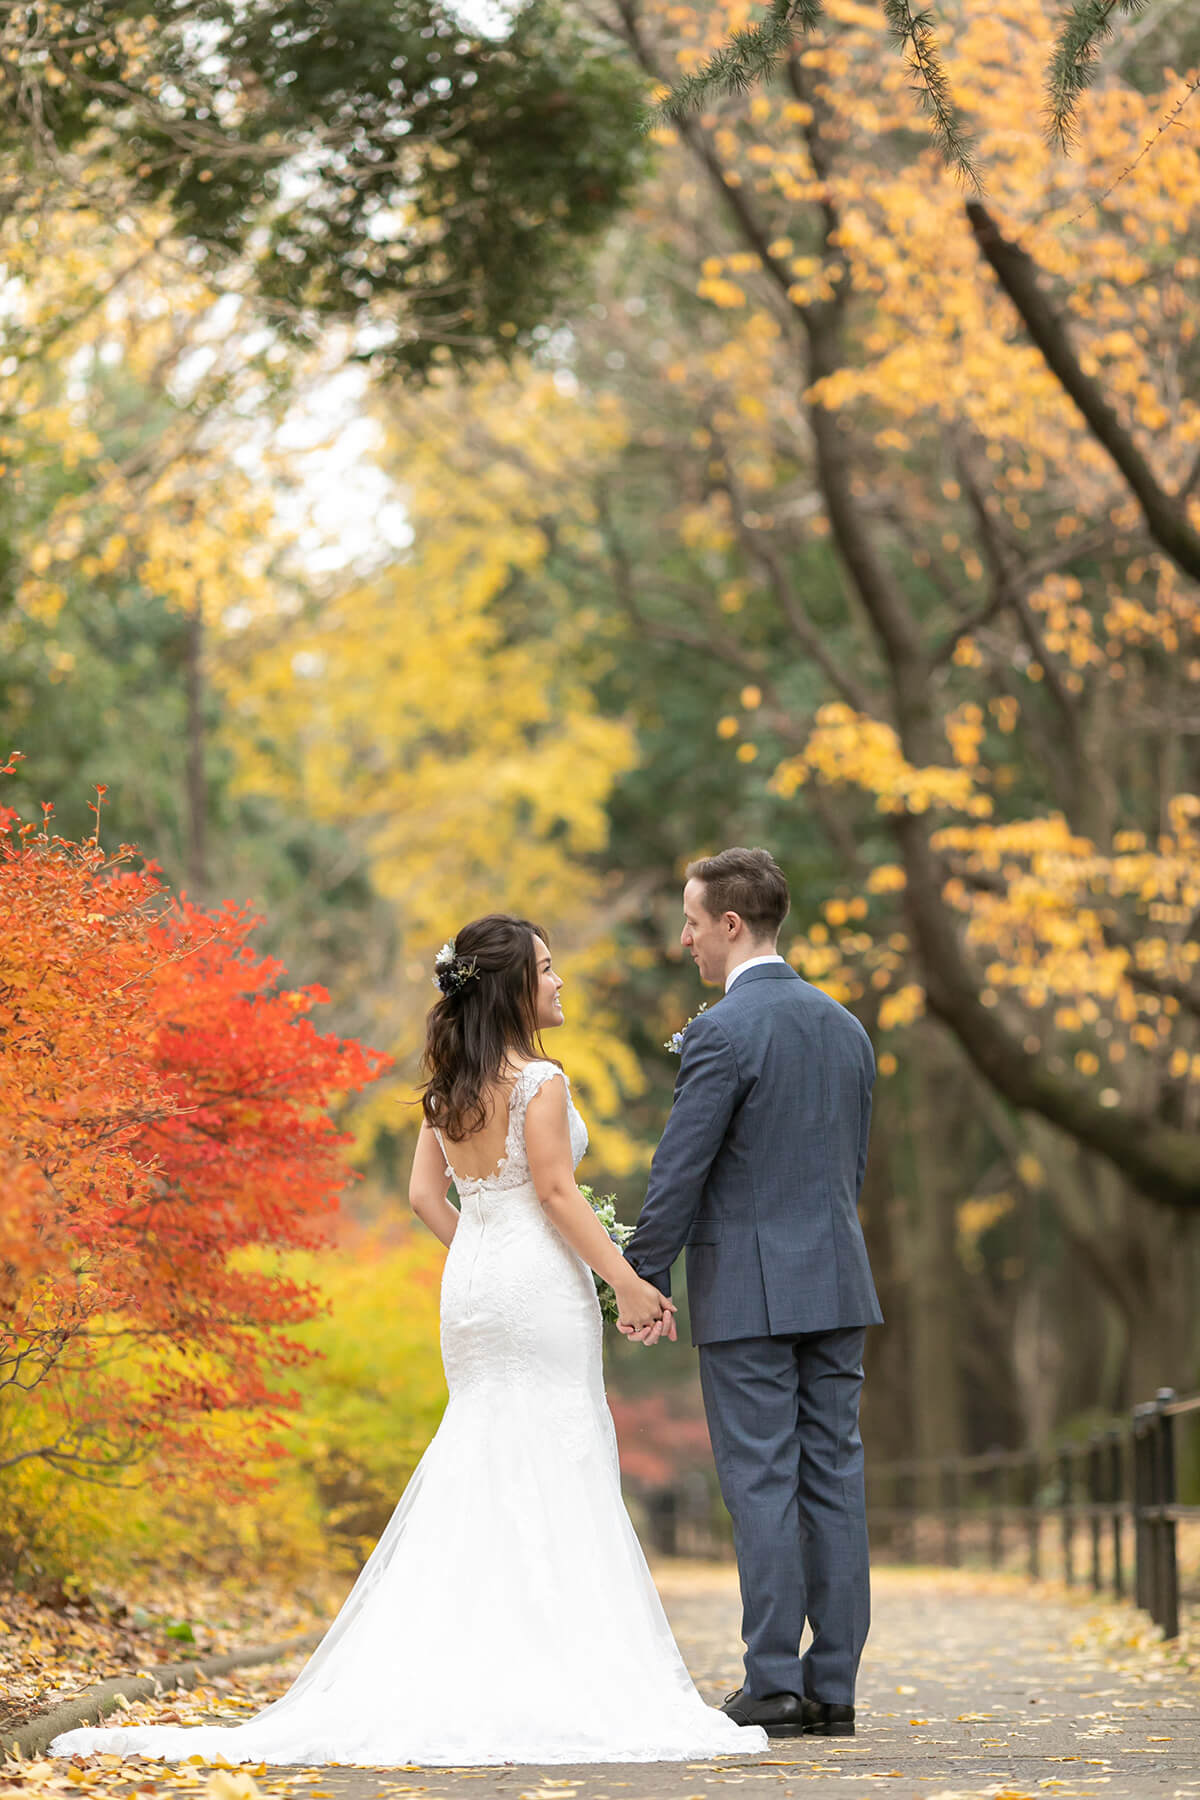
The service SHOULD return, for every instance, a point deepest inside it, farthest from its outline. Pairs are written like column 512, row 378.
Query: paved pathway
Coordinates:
column 972, row 1685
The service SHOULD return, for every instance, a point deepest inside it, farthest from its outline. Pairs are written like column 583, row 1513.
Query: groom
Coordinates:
column 758, row 1173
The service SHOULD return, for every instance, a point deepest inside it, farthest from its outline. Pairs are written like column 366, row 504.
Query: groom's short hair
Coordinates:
column 747, row 882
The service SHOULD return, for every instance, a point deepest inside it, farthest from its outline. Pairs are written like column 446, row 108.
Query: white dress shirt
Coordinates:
column 752, row 962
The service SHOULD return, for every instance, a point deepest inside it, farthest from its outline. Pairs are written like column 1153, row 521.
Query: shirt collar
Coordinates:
column 752, row 962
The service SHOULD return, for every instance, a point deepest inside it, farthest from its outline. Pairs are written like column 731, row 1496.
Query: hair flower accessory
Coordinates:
column 453, row 971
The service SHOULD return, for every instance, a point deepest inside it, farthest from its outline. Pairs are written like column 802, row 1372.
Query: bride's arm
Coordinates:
column 548, row 1150
column 428, row 1186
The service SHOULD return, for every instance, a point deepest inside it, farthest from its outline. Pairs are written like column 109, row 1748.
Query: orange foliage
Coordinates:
column 165, row 1105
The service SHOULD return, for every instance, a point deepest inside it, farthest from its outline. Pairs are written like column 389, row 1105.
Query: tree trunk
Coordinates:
column 196, row 786
column 933, row 1282
column 887, row 1424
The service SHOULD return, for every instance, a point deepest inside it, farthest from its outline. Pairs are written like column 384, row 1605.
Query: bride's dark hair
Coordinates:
column 488, row 1015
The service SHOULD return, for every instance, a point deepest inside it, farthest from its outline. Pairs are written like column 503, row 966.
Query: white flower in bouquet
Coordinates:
column 605, row 1210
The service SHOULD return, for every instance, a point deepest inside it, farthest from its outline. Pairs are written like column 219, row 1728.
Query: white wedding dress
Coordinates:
column 506, row 1613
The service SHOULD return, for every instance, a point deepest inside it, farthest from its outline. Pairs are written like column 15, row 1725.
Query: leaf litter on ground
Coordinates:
column 53, row 1647
column 924, row 1635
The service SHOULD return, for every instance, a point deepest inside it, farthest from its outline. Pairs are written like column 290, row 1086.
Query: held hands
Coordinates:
column 663, row 1326
column 644, row 1314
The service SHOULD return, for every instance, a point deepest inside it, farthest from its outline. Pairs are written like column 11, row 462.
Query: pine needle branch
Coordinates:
column 747, row 58
column 915, row 33
column 1087, row 26
column 1164, row 125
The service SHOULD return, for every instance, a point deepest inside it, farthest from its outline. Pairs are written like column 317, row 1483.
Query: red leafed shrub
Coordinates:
column 661, row 1435
column 164, row 1103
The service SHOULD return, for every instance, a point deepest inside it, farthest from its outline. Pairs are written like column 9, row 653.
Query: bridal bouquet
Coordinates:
column 606, row 1211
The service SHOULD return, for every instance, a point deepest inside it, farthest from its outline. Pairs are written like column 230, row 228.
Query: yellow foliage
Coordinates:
column 1071, row 930
column 902, row 1008
column 721, row 292
column 845, row 746
column 474, row 770
column 974, row 1218
column 367, row 1408
column 887, row 878
column 184, row 516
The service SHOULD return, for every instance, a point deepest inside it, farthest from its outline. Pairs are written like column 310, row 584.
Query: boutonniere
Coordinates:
column 675, row 1042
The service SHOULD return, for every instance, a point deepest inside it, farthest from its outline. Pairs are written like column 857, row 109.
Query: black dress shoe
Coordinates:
column 823, row 1718
column 780, row 1715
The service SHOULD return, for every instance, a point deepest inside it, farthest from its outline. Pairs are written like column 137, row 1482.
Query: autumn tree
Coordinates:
column 1007, row 688
column 753, row 51
column 851, row 497
column 950, row 389
column 786, row 530
column 166, row 1106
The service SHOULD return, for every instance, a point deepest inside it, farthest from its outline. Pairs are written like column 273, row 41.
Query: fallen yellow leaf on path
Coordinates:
column 232, row 1784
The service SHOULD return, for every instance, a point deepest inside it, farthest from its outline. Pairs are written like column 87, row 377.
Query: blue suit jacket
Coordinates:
column 761, row 1164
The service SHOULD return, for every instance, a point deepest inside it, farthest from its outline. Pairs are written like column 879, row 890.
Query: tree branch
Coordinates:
column 1017, row 274
column 1163, row 1163
column 757, row 545
column 709, row 642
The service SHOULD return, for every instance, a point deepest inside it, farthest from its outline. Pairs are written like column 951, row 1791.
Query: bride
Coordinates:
column 506, row 1613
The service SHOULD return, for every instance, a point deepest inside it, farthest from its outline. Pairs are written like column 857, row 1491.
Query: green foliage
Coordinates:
column 747, row 57
column 915, row 34
column 372, row 161
column 1085, row 27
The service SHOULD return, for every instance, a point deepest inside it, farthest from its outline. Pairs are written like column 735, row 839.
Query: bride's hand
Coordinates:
column 640, row 1305
column 664, row 1326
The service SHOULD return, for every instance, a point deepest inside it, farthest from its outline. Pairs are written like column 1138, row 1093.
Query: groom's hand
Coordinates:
column 663, row 1326
column 639, row 1303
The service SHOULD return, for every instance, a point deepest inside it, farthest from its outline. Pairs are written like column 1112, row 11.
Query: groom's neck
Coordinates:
column 746, row 953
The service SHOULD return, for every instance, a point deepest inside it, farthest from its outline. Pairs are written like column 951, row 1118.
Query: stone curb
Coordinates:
column 95, row 1702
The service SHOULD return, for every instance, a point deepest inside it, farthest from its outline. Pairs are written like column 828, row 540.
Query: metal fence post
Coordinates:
column 961, row 1508
column 1165, row 1529
column 906, row 1500
column 1095, row 1493
column 1116, row 1495
column 950, row 1504
column 996, row 1516
column 1143, row 1498
column 1066, row 1476
column 1033, row 1520
column 663, row 1507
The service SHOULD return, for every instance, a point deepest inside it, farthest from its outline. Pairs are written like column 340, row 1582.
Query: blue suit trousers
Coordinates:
column 783, row 1419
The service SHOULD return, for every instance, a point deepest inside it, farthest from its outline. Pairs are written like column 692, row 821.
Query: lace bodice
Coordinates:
column 512, row 1171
